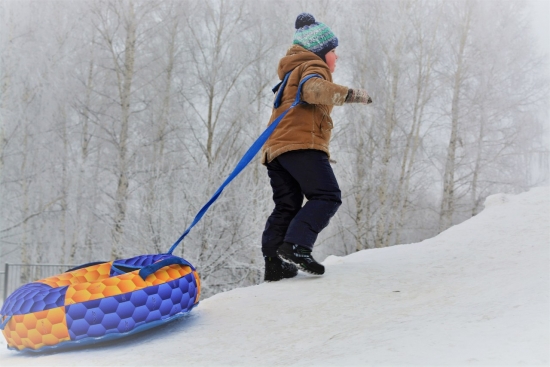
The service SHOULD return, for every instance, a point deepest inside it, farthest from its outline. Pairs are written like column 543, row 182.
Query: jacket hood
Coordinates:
column 295, row 56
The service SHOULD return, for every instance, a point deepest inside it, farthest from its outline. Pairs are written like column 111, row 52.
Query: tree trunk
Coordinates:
column 154, row 221
column 477, row 165
column 413, row 138
column 448, row 200
column 84, row 151
column 125, row 75
column 382, row 236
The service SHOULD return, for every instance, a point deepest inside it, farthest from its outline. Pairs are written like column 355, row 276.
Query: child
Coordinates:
column 297, row 155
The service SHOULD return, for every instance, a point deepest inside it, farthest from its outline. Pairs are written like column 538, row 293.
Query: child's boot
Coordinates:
column 300, row 256
column 275, row 269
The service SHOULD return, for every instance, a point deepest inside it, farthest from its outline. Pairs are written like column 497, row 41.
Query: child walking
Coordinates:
column 297, row 153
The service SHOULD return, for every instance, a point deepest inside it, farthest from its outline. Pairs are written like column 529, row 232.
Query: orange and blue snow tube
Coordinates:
column 99, row 301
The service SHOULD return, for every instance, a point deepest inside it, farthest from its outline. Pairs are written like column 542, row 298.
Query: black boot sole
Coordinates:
column 276, row 274
column 302, row 266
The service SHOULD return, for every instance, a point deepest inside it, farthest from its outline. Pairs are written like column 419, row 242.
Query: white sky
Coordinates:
column 541, row 27
column 541, row 23
column 542, row 20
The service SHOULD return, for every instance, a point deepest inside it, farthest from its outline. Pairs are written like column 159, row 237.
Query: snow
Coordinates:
column 477, row 294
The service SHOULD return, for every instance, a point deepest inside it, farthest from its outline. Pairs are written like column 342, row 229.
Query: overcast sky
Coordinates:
column 541, row 25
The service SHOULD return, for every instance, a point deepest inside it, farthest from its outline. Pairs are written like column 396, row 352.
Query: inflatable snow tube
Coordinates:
column 99, row 301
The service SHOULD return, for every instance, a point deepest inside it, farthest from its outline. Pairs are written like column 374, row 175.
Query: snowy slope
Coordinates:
column 477, row 294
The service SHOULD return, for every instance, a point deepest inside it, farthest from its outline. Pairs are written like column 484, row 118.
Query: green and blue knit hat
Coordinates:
column 314, row 36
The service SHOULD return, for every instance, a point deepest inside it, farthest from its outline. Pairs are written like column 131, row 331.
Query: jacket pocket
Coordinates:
column 324, row 117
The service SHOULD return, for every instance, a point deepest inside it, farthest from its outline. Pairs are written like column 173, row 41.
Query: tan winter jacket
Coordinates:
column 306, row 126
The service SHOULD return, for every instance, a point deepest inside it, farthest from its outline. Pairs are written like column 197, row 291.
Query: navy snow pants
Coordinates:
column 293, row 175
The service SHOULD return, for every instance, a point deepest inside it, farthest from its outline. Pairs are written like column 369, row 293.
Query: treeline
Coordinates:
column 119, row 120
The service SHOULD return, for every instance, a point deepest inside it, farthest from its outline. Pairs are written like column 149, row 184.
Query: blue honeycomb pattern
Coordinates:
column 123, row 313
column 33, row 297
column 139, row 261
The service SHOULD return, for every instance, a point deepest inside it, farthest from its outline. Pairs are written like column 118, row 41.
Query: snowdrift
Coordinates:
column 477, row 294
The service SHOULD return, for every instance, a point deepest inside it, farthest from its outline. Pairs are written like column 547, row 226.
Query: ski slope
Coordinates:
column 477, row 294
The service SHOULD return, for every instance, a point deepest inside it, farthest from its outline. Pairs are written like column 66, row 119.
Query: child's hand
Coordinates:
column 358, row 96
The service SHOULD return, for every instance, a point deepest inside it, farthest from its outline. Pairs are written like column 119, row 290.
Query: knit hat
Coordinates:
column 314, row 36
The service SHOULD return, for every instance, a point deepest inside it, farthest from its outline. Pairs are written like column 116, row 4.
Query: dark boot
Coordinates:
column 275, row 269
column 300, row 256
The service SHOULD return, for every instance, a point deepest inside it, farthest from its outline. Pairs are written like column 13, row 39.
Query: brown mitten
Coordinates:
column 358, row 96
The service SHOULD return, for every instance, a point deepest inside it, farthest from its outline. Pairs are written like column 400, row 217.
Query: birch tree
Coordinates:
column 171, row 18
column 117, row 24
column 459, row 51
column 424, row 46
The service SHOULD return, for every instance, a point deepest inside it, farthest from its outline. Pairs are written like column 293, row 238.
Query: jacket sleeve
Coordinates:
column 320, row 91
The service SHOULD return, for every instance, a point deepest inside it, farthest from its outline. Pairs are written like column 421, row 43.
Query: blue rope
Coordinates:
column 248, row 156
column 5, row 322
column 280, row 87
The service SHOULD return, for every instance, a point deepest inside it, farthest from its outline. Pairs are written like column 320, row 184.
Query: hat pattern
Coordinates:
column 314, row 36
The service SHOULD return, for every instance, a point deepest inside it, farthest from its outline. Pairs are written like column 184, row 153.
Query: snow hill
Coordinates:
column 477, row 294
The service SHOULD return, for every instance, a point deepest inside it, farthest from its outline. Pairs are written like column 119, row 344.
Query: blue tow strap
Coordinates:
column 251, row 152
column 5, row 322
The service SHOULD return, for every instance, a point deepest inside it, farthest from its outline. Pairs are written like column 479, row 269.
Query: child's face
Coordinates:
column 331, row 58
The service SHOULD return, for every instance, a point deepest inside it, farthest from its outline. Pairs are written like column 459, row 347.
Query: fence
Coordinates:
column 2, row 284
column 15, row 275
